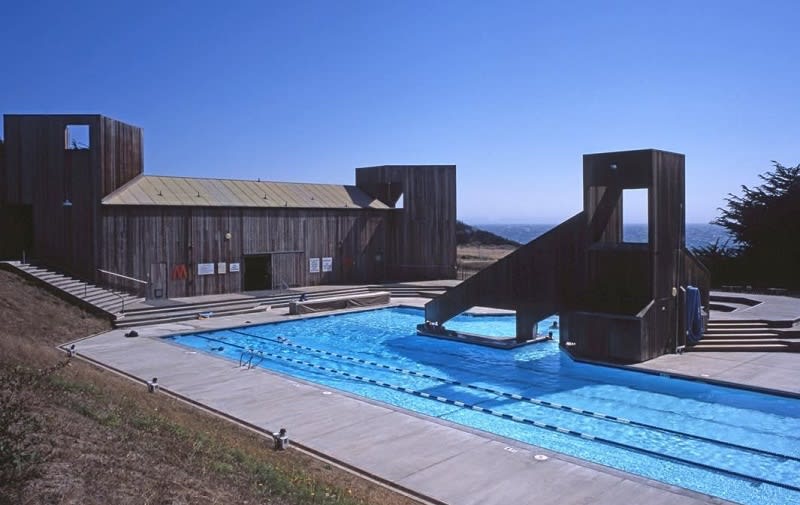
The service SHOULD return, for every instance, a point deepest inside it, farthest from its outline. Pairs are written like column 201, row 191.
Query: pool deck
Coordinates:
column 429, row 457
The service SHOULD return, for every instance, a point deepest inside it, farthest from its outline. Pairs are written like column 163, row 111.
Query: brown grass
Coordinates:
column 104, row 440
column 473, row 258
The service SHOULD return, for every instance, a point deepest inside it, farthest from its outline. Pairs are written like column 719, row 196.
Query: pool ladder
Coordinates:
column 247, row 356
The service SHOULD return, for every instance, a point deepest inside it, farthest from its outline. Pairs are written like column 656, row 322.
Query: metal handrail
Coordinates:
column 122, row 299
column 122, row 276
column 117, row 282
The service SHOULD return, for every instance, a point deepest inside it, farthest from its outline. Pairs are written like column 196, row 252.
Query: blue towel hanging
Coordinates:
column 694, row 318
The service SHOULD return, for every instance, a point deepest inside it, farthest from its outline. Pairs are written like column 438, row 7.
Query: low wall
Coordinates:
column 339, row 302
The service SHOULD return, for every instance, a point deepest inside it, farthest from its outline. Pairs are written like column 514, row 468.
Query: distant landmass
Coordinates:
column 466, row 234
column 697, row 234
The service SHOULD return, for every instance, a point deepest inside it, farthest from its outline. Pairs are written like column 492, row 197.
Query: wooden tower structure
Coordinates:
column 617, row 301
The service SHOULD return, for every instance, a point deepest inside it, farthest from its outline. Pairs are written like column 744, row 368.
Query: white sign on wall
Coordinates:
column 327, row 264
column 313, row 265
column 221, row 267
column 205, row 268
column 233, row 267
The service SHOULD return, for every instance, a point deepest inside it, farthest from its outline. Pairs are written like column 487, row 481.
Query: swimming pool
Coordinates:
column 736, row 444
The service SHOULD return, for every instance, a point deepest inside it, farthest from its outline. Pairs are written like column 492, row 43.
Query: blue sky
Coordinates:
column 513, row 93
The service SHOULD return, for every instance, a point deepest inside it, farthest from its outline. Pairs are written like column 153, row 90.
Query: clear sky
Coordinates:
column 513, row 93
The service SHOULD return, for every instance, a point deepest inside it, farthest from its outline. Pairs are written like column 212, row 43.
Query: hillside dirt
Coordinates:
column 71, row 433
column 473, row 258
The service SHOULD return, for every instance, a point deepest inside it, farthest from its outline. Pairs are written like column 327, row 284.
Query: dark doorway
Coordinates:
column 258, row 272
column 16, row 227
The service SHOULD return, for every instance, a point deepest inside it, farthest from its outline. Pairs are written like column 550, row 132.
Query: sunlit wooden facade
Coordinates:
column 86, row 208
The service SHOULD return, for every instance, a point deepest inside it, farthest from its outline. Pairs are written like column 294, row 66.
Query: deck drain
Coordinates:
column 326, row 392
column 509, row 449
column 540, row 457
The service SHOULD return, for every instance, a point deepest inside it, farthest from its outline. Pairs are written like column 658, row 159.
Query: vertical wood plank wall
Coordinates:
column 138, row 236
column 42, row 172
column 421, row 244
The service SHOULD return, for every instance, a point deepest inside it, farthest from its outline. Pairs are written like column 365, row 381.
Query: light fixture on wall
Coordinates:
column 67, row 203
column 227, row 235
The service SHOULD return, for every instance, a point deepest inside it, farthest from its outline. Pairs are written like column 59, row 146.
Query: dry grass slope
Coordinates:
column 97, row 438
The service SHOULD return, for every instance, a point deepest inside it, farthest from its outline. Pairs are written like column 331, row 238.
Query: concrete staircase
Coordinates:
column 742, row 336
column 187, row 311
column 95, row 298
column 126, row 311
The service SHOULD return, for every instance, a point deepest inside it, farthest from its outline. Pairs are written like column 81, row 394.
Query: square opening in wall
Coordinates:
column 76, row 136
column 635, row 217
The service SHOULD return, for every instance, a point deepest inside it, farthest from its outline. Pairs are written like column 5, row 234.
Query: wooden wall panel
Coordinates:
column 42, row 172
column 184, row 237
column 122, row 154
column 421, row 243
column 3, row 175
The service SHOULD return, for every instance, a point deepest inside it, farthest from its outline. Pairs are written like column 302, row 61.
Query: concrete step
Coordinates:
column 727, row 306
column 741, row 341
column 66, row 283
column 194, row 308
column 737, row 321
column 125, row 322
column 39, row 272
column 737, row 329
column 104, row 299
column 210, row 306
column 737, row 324
column 140, row 317
column 734, row 336
column 737, row 348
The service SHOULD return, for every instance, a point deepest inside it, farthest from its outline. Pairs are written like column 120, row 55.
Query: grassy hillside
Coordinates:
column 73, row 433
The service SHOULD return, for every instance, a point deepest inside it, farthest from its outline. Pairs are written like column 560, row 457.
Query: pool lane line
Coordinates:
column 522, row 420
column 535, row 401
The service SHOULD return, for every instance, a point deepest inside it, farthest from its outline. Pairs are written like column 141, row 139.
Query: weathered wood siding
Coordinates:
column 617, row 301
column 42, row 172
column 538, row 279
column 121, row 152
column 138, row 237
column 421, row 243
column 629, row 280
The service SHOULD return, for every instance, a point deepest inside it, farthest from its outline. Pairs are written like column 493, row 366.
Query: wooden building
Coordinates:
column 617, row 301
column 87, row 209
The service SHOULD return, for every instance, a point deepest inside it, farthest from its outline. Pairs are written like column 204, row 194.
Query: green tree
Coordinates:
column 765, row 223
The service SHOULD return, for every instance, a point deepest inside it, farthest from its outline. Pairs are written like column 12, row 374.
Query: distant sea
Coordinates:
column 697, row 234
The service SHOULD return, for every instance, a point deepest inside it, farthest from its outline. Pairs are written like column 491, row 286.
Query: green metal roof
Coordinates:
column 198, row 192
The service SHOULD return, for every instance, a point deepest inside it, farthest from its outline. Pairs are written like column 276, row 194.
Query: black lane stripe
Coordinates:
column 537, row 401
column 527, row 421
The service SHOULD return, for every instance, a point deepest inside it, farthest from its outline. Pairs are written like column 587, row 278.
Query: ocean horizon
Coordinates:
column 697, row 234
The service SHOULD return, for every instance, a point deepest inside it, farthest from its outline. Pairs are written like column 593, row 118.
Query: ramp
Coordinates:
column 534, row 280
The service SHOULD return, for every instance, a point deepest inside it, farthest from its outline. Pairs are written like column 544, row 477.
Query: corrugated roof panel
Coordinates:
column 186, row 191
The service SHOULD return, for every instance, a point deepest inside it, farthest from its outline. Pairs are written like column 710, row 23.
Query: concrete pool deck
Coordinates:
column 426, row 456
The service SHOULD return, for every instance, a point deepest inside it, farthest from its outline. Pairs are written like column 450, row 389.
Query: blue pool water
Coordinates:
column 739, row 445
